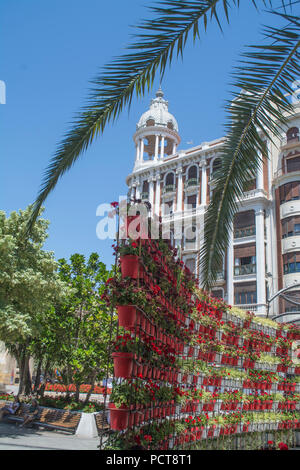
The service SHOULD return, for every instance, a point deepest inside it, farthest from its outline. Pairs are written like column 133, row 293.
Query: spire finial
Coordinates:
column 159, row 93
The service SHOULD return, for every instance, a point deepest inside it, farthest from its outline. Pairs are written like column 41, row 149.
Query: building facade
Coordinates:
column 263, row 255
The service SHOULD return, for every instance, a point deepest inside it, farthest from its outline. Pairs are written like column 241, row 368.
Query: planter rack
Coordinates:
column 159, row 424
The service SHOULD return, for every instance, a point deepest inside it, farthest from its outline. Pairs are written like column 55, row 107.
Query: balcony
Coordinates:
column 291, row 278
column 291, row 244
column 245, row 269
column 244, row 232
column 284, row 143
column 282, row 174
column 254, row 194
column 250, row 307
column 170, row 188
column 191, row 183
column 290, row 208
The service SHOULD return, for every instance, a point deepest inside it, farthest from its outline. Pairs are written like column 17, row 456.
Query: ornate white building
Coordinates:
column 263, row 256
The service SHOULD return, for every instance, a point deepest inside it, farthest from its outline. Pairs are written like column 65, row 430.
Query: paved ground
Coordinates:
column 14, row 438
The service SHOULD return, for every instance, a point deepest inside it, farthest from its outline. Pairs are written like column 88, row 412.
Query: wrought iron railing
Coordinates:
column 244, row 232
column 245, row 269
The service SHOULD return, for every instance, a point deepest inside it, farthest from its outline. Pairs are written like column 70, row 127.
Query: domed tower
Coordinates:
column 156, row 134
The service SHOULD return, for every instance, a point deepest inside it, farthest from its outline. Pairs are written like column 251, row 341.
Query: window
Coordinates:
column 218, row 294
column 168, row 208
column 192, row 172
column 191, row 264
column 170, row 179
column 216, row 165
column 191, row 202
column 245, row 298
column 293, row 164
column 292, row 134
column 245, row 293
column 245, row 265
column 169, row 183
column 289, row 192
column 290, row 227
column 291, row 263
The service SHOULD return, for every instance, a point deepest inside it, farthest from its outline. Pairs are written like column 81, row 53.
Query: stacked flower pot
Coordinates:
column 189, row 372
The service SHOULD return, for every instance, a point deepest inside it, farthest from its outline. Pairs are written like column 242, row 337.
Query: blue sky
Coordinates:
column 50, row 51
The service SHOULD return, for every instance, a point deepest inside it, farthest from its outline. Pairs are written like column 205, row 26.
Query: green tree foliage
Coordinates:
column 82, row 324
column 29, row 286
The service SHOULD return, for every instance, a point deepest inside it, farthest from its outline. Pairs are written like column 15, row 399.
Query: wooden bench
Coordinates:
column 102, row 424
column 51, row 418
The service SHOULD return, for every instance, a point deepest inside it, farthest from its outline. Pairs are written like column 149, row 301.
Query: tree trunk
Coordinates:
column 23, row 362
column 27, row 378
column 43, row 385
column 88, row 395
column 38, row 377
column 77, row 391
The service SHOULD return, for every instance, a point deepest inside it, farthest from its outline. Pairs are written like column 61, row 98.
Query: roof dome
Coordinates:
column 158, row 114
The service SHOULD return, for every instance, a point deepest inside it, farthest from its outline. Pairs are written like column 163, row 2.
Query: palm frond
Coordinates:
column 257, row 114
column 158, row 40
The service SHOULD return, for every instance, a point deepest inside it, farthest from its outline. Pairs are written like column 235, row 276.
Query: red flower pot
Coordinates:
column 127, row 315
column 119, row 417
column 145, row 371
column 130, row 266
column 123, row 364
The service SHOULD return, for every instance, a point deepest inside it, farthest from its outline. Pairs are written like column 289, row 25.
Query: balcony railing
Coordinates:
column 285, row 141
column 191, row 182
column 245, row 269
column 220, row 276
column 244, row 232
column 250, row 307
column 283, row 171
column 169, row 188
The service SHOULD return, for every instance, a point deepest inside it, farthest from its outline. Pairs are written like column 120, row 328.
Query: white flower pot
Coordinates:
column 171, row 443
column 218, row 358
column 219, row 335
column 199, row 407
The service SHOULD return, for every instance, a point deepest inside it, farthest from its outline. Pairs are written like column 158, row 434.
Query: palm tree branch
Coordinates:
column 260, row 107
column 126, row 74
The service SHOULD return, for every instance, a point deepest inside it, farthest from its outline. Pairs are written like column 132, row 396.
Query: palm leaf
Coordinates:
column 259, row 113
column 158, row 40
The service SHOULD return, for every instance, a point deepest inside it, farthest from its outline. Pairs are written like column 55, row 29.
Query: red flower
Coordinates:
column 114, row 204
column 282, row 446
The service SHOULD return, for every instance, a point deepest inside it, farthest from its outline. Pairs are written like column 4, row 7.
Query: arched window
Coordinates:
column 292, row 134
column 170, row 125
column 216, row 164
column 192, row 172
column 170, row 179
column 145, row 192
column 150, row 122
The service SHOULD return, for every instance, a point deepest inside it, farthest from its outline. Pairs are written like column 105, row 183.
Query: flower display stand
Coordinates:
column 178, row 353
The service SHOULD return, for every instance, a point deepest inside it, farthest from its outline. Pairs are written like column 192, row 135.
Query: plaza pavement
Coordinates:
column 13, row 437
